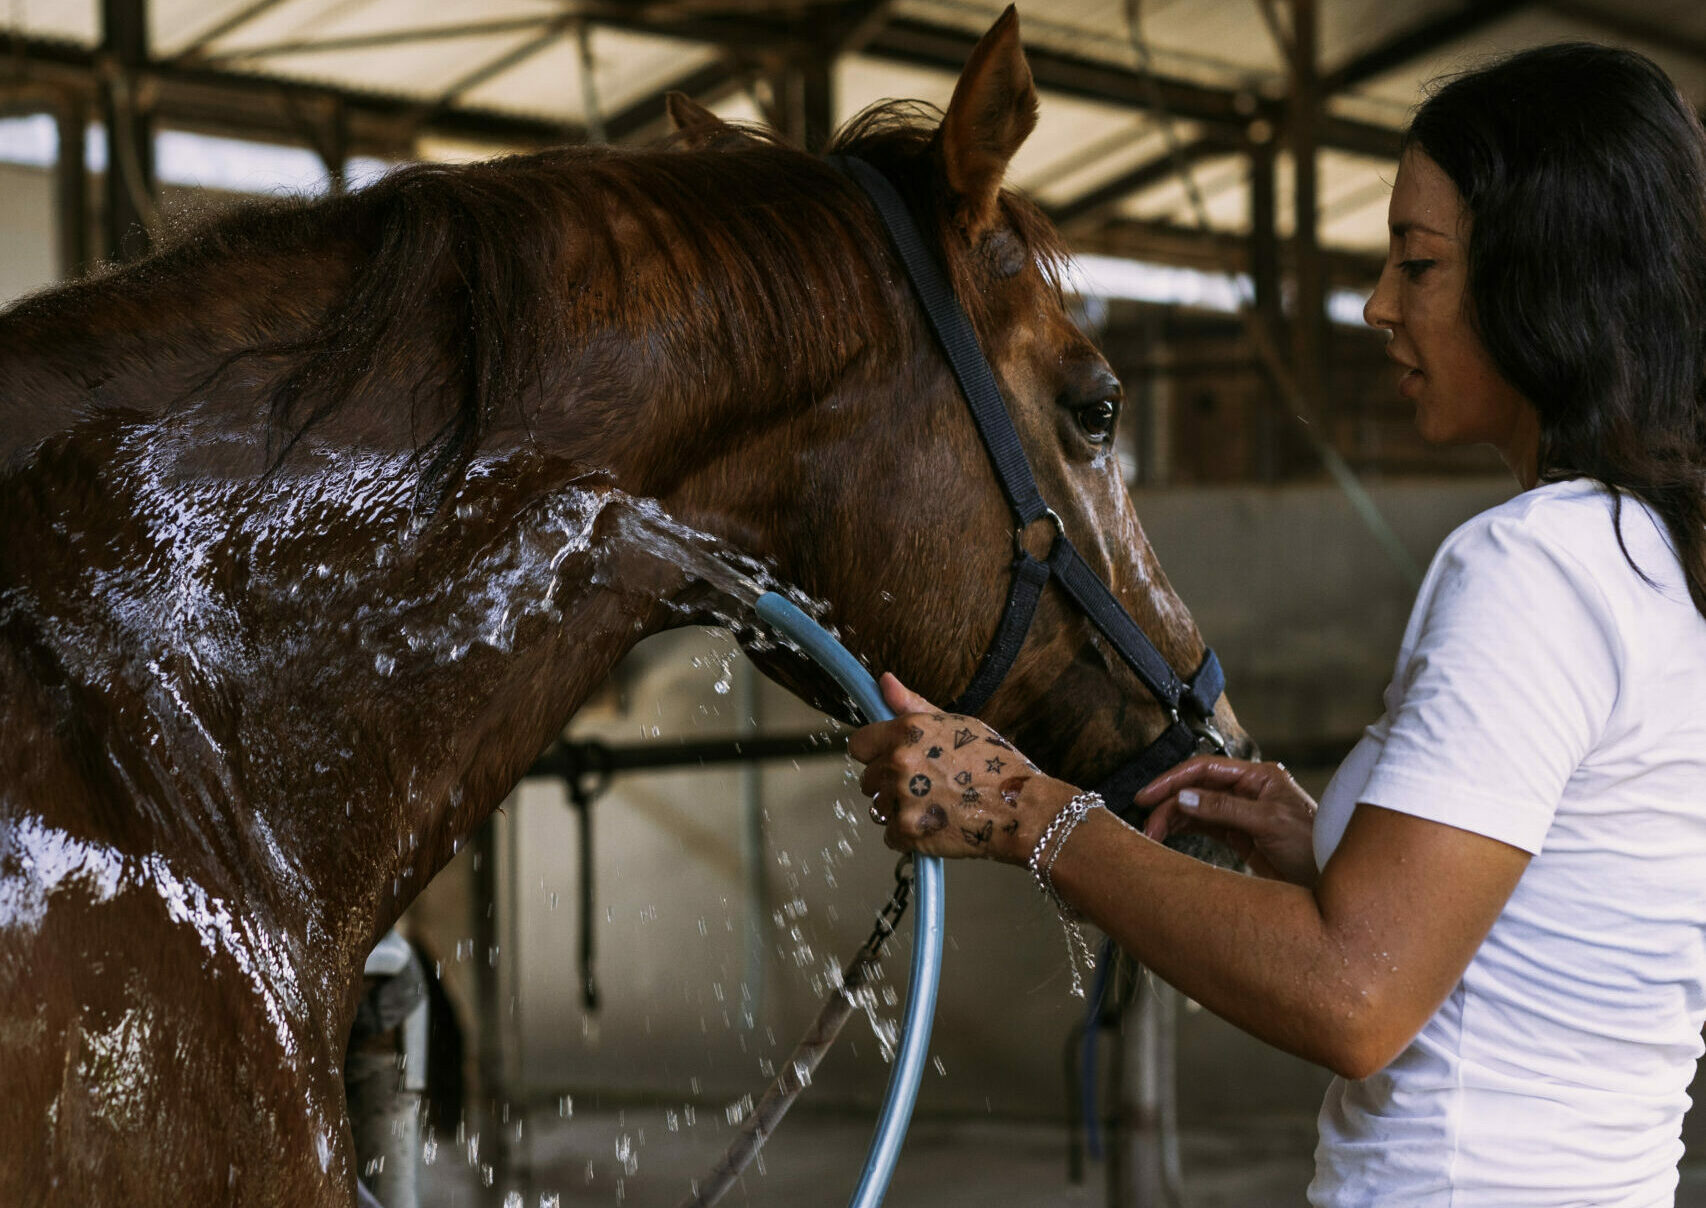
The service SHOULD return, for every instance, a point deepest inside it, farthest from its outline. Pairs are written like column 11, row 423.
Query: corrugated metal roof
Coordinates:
column 524, row 58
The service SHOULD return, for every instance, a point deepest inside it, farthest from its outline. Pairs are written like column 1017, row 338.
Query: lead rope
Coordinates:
column 851, row 992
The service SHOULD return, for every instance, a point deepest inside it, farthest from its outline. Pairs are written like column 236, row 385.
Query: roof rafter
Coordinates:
column 1421, row 40
column 1633, row 26
column 1150, row 172
column 925, row 45
column 214, row 100
column 706, row 84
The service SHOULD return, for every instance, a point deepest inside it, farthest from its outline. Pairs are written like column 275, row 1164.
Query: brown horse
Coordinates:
column 321, row 523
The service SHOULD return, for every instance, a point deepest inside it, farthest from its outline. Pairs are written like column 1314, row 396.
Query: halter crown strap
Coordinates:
column 959, row 341
column 1193, row 699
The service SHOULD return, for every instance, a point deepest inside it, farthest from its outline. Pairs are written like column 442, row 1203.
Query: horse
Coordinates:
column 323, row 519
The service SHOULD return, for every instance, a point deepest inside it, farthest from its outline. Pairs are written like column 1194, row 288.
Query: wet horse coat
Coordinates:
column 320, row 524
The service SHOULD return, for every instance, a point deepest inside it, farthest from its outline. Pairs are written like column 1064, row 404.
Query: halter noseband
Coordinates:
column 1189, row 703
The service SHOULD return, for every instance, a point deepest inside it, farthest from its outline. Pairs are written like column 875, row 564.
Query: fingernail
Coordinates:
column 1188, row 799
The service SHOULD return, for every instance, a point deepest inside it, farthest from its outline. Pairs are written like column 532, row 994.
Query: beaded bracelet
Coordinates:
column 1041, row 864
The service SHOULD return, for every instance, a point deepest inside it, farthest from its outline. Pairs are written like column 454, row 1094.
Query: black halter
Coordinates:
column 1189, row 703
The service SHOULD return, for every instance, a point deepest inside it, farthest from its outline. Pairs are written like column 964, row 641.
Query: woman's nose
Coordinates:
column 1381, row 309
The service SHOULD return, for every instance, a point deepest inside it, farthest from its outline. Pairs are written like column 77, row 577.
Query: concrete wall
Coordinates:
column 1286, row 583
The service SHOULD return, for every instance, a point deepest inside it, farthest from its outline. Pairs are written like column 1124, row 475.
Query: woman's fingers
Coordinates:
column 902, row 699
column 870, row 742
column 1215, row 771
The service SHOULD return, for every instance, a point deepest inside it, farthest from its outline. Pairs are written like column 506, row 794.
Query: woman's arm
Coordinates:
column 1343, row 973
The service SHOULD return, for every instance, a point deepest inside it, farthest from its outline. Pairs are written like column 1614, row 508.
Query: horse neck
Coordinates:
column 308, row 695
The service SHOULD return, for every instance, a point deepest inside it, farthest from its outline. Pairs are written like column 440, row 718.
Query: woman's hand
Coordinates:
column 947, row 785
column 1256, row 809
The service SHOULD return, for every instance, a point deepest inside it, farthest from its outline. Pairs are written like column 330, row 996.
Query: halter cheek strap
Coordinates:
column 1188, row 703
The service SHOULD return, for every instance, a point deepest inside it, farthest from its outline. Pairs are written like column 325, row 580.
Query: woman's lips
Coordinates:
column 1411, row 383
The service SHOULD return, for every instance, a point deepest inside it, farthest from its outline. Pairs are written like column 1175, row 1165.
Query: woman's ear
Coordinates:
column 993, row 110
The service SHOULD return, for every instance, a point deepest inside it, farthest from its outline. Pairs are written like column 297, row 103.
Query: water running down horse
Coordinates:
column 321, row 522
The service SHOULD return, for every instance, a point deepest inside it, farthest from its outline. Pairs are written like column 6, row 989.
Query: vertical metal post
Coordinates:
column 488, row 994
column 71, row 187
column 804, row 91
column 129, row 128
column 1139, row 1164
column 1265, row 272
column 1302, row 117
column 334, row 146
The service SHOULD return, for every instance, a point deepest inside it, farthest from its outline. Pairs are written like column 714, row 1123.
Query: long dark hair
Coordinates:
column 1585, row 174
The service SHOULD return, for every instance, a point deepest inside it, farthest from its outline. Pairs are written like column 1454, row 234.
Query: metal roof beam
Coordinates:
column 1151, row 172
column 1630, row 25
column 706, row 85
column 202, row 98
column 1422, row 40
column 513, row 57
column 924, row 45
column 379, row 40
column 231, row 24
column 1211, row 251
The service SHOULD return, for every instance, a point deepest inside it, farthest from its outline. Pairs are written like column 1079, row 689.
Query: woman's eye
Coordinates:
column 1413, row 269
column 1098, row 419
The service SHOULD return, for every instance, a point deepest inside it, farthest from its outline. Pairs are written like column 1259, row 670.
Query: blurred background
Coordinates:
column 633, row 945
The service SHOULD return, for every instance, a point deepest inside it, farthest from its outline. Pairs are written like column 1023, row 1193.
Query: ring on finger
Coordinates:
column 876, row 816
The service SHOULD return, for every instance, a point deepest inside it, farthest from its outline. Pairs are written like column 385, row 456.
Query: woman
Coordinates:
column 1494, row 927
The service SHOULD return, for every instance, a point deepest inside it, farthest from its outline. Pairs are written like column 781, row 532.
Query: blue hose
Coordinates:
column 832, row 656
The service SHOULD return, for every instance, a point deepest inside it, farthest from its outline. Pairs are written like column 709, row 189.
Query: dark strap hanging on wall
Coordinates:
column 1189, row 703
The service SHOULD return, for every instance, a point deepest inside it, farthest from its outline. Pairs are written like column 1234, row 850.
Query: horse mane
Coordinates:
column 479, row 277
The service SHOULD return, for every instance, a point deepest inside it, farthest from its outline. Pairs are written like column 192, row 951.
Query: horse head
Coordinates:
column 897, row 518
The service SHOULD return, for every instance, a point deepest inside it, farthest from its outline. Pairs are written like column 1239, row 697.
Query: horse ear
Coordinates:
column 993, row 110
column 695, row 125
column 685, row 113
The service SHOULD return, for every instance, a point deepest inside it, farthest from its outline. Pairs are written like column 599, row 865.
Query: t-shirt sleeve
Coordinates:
column 1510, row 680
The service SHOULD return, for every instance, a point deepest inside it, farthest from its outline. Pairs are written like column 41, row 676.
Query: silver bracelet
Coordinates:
column 1041, row 864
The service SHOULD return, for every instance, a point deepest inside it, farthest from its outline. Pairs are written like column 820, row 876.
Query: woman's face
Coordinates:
column 1422, row 302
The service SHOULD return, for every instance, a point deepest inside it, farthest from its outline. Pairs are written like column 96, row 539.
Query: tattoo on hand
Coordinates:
column 970, row 797
column 997, row 741
column 980, row 836
column 919, row 785
column 1011, row 827
column 933, row 753
column 962, row 778
column 913, row 734
column 993, row 765
column 962, row 737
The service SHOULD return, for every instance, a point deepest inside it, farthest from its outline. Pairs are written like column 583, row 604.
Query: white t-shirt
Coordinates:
column 1546, row 697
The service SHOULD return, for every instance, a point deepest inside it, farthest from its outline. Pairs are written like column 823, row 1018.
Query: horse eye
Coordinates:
column 1098, row 419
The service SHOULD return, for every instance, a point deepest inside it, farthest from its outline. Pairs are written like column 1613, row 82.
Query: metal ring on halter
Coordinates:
column 1209, row 739
column 1019, row 533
